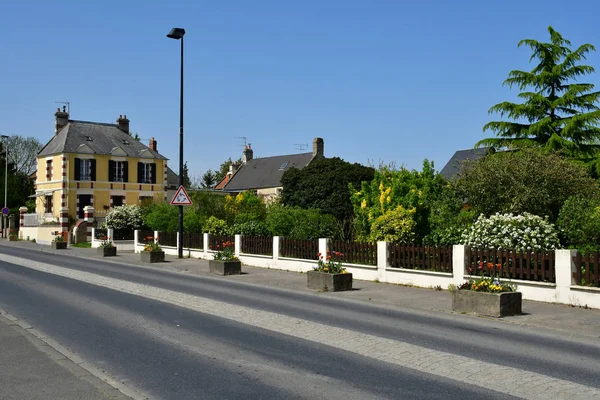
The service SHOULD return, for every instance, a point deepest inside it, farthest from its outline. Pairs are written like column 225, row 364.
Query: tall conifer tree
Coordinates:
column 559, row 112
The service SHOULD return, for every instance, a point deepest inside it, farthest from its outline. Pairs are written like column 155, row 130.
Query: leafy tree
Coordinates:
column 395, row 226
column 216, row 226
column 244, row 207
column 161, row 217
column 414, row 190
column 22, row 153
column 557, row 113
column 449, row 217
column 579, row 223
column 19, row 185
column 323, row 185
column 529, row 180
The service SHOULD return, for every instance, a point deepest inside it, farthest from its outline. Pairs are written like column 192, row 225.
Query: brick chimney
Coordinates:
column 123, row 123
column 248, row 154
column 61, row 119
column 152, row 144
column 318, row 148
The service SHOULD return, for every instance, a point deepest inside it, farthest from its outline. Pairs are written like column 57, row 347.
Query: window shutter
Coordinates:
column 140, row 172
column 77, row 169
column 125, row 171
column 111, row 170
column 92, row 170
column 153, row 172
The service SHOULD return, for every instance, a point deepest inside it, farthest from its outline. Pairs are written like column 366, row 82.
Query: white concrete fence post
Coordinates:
column 237, row 245
column 110, row 233
column 459, row 262
column 156, row 238
column 136, row 240
column 276, row 253
column 383, row 259
column 564, row 267
column 323, row 247
column 205, row 244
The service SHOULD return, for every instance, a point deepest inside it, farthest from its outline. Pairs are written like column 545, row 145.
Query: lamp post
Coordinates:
column 177, row 34
column 5, row 182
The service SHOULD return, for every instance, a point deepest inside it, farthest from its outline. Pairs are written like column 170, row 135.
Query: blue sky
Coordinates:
column 396, row 81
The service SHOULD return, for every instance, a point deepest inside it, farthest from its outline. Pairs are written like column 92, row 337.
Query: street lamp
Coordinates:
column 5, row 180
column 177, row 33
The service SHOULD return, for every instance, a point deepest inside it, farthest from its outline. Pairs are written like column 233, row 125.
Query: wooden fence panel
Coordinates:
column 536, row 266
column 257, row 245
column 302, row 249
column 426, row 258
column 356, row 252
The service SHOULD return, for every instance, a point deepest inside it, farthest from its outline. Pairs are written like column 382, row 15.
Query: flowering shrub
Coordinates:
column 215, row 226
column 152, row 246
column 106, row 242
column 395, row 226
column 125, row 217
column 332, row 264
column 225, row 252
column 512, row 232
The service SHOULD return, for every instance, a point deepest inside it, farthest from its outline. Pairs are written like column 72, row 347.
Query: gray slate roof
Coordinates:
column 104, row 138
column 452, row 167
column 172, row 179
column 261, row 173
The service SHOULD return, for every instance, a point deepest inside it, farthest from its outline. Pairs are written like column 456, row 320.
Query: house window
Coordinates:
column 117, row 171
column 117, row 201
column 49, row 170
column 146, row 172
column 48, row 205
column 85, row 169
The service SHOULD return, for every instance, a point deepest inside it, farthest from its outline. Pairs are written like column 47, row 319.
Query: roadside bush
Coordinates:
column 579, row 223
column 216, row 226
column 125, row 217
column 250, row 228
column 161, row 217
column 395, row 226
column 512, row 232
column 449, row 218
column 244, row 207
column 299, row 223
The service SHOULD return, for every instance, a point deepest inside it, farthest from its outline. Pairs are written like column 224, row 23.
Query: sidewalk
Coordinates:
column 31, row 369
column 561, row 318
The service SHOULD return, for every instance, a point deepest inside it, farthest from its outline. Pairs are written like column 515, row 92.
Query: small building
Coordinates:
column 263, row 175
column 96, row 164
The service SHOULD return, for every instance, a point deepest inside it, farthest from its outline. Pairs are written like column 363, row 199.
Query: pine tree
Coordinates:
column 558, row 113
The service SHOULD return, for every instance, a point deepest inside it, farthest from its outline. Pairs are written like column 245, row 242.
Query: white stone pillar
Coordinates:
column 110, row 233
column 459, row 262
column 324, row 247
column 156, row 238
column 88, row 215
column 237, row 245
column 136, row 240
column 383, row 259
column 564, row 268
column 276, row 253
column 205, row 244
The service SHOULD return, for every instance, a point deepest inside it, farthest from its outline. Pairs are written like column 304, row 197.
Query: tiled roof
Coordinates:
column 452, row 167
column 99, row 137
column 266, row 172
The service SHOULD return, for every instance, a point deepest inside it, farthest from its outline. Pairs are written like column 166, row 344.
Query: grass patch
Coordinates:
column 85, row 245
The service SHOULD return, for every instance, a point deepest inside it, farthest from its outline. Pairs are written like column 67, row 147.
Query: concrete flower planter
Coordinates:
column 107, row 251
column 225, row 267
column 329, row 282
column 59, row 245
column 489, row 304
column 152, row 256
column 13, row 238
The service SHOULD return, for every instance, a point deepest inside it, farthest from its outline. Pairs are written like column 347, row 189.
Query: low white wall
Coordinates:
column 41, row 234
column 564, row 291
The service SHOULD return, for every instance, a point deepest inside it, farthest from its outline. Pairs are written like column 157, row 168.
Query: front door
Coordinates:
column 84, row 200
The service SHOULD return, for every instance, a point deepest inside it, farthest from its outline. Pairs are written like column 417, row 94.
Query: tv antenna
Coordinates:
column 301, row 146
column 68, row 104
column 241, row 139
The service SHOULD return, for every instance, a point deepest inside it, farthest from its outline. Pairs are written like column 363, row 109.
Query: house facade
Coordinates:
column 263, row 175
column 96, row 164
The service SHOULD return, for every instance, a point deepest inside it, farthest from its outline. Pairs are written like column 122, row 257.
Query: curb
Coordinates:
column 71, row 361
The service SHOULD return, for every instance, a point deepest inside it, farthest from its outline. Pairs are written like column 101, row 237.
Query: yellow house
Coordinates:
column 96, row 164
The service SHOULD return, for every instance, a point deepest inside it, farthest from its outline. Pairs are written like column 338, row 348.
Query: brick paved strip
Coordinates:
column 509, row 380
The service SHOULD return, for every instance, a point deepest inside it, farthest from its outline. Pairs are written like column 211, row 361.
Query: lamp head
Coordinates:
column 176, row 33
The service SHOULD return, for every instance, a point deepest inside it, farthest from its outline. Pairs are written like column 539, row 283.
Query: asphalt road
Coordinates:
column 174, row 336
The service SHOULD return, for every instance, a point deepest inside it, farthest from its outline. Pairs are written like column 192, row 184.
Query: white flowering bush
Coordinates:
column 512, row 232
column 124, row 217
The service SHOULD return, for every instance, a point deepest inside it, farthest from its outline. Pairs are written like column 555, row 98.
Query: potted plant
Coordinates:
column 59, row 242
column 152, row 252
column 107, row 248
column 329, row 274
column 487, row 295
column 225, row 262
column 12, row 236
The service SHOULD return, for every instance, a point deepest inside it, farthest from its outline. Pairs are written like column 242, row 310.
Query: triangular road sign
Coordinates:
column 181, row 198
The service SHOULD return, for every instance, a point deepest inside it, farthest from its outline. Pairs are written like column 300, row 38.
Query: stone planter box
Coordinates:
column 107, row 251
column 489, row 304
column 225, row 267
column 59, row 245
column 12, row 238
column 329, row 282
column 153, row 256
